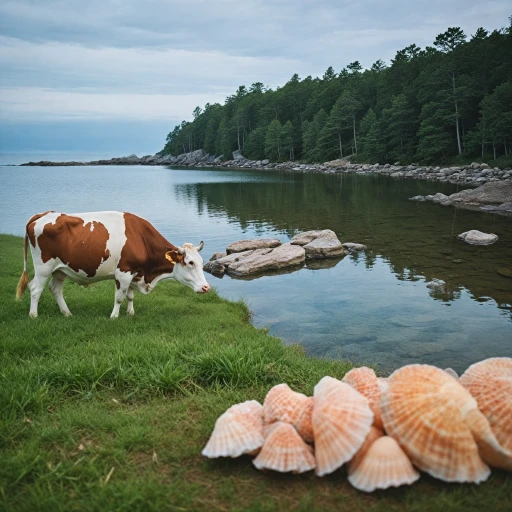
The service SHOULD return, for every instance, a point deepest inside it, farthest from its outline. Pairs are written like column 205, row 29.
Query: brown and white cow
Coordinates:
column 91, row 247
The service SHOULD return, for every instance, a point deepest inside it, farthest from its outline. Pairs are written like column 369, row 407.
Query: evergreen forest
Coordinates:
column 449, row 102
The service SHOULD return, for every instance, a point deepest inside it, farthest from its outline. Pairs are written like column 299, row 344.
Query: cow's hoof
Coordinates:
column 67, row 314
column 114, row 316
column 131, row 313
column 32, row 315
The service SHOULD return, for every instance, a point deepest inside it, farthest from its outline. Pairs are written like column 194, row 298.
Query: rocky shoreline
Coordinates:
column 475, row 174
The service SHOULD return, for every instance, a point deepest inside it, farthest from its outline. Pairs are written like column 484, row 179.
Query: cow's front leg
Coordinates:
column 129, row 296
column 122, row 287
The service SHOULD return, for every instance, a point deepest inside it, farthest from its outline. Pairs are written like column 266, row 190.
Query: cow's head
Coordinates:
column 188, row 267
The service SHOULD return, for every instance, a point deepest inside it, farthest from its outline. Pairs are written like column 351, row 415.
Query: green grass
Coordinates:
column 101, row 414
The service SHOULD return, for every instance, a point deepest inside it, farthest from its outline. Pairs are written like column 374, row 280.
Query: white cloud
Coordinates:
column 159, row 58
column 33, row 102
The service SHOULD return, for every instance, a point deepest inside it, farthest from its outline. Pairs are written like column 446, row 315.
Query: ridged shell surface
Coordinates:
column 384, row 465
column 285, row 451
column 490, row 383
column 239, row 430
column 426, row 411
column 365, row 381
column 341, row 421
column 284, row 404
column 371, row 437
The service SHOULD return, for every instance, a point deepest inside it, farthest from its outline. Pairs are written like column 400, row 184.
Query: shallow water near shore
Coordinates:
column 371, row 308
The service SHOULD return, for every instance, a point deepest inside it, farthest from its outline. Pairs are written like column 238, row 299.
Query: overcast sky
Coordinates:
column 117, row 75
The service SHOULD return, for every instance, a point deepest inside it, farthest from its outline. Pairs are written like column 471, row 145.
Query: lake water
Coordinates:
column 372, row 308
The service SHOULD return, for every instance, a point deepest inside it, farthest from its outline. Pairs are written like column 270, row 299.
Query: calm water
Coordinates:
column 374, row 308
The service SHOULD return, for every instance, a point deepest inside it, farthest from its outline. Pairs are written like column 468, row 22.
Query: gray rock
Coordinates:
column 218, row 255
column 353, row 247
column 441, row 199
column 496, row 192
column 418, row 198
column 237, row 156
column 319, row 244
column 475, row 237
column 252, row 244
column 265, row 162
column 264, row 260
column 214, row 267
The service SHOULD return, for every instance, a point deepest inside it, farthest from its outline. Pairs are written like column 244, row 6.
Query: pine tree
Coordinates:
column 287, row 138
column 371, row 138
column 273, row 140
column 310, row 133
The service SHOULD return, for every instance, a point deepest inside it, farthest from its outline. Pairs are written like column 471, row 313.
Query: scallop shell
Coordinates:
column 239, row 430
column 365, row 381
column 452, row 372
column 490, row 384
column 372, row 436
column 284, row 404
column 384, row 465
column 434, row 419
column 284, row 451
column 341, row 421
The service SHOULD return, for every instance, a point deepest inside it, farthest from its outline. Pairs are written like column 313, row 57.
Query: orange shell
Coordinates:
column 372, row 436
column 384, row 465
column 239, row 430
column 284, row 451
column 365, row 381
column 284, row 404
column 341, row 421
column 490, row 384
column 431, row 416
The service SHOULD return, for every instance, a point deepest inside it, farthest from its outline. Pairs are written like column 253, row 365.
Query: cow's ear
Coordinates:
column 174, row 256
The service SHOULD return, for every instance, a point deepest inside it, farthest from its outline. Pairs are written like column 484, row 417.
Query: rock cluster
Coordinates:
column 495, row 197
column 260, row 255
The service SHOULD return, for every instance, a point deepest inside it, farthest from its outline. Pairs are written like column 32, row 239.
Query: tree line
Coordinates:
column 448, row 102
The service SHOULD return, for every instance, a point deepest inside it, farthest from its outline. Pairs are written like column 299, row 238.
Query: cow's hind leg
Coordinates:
column 123, row 281
column 129, row 296
column 36, row 287
column 56, row 286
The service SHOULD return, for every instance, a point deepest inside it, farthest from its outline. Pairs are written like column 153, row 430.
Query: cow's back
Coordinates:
column 86, row 244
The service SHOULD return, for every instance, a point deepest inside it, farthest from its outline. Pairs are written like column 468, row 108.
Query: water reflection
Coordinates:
column 418, row 240
column 388, row 305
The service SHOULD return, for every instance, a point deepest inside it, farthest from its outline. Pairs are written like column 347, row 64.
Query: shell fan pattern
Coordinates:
column 420, row 418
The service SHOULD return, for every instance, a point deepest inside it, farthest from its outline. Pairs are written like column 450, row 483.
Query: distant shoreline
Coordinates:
column 471, row 175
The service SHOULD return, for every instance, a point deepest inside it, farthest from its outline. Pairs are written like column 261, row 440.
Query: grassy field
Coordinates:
column 100, row 414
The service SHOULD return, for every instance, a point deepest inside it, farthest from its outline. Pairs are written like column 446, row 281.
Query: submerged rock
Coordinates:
column 475, row 237
column 319, row 244
column 353, row 247
column 505, row 272
column 252, row 244
column 504, row 208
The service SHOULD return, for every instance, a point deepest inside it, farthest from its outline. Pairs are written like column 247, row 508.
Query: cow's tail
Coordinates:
column 23, row 282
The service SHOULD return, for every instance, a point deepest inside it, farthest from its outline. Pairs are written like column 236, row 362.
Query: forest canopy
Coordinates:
column 447, row 102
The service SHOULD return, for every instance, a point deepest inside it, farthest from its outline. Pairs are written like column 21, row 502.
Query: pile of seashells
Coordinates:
column 419, row 417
